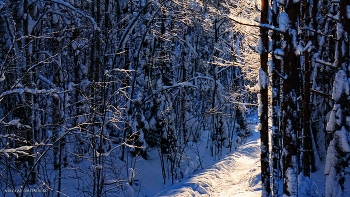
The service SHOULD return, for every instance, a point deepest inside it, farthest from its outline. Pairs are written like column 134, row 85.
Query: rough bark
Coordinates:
column 290, row 117
column 276, row 134
column 264, row 132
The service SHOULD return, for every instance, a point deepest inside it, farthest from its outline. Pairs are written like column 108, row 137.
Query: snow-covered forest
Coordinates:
column 136, row 97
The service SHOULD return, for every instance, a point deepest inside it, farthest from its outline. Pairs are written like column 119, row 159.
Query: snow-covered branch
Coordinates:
column 22, row 150
column 322, row 94
column 182, row 85
column 323, row 62
column 131, row 26
column 28, row 90
column 15, row 122
column 68, row 5
column 246, row 22
column 47, row 81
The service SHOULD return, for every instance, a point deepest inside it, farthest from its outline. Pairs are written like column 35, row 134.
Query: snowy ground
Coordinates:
column 233, row 174
column 237, row 175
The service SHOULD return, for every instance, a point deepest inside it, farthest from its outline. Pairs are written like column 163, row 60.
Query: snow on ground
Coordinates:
column 236, row 175
column 233, row 174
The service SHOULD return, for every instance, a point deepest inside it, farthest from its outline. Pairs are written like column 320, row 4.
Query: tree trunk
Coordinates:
column 307, row 150
column 276, row 134
column 290, row 119
column 264, row 130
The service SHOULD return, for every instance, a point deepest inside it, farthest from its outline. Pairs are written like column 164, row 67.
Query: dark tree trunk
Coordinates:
column 307, row 154
column 264, row 130
column 290, row 118
column 276, row 134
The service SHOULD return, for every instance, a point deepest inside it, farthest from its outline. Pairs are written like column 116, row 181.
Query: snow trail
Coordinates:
column 236, row 175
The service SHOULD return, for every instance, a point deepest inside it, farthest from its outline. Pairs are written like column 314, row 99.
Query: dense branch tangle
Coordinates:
column 117, row 79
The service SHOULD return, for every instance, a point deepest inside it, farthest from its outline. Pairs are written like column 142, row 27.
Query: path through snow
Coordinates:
column 236, row 175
